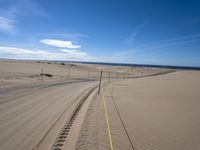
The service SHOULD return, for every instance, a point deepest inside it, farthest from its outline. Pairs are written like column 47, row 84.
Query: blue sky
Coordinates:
column 164, row 32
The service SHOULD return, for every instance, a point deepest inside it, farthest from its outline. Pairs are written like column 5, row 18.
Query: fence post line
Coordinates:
column 108, row 77
column 88, row 74
column 42, row 71
column 112, row 92
column 68, row 71
column 100, row 81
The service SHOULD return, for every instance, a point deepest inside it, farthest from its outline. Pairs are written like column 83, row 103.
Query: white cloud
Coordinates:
column 69, row 50
column 132, row 37
column 23, row 7
column 20, row 53
column 6, row 24
column 60, row 43
column 62, row 54
column 74, row 36
column 167, row 43
column 10, row 15
column 74, row 53
column 31, row 7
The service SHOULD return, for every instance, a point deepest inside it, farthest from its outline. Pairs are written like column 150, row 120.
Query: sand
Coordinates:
column 30, row 108
column 159, row 112
column 15, row 72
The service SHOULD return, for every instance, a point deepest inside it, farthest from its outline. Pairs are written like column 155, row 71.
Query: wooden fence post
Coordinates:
column 100, row 81
column 42, row 71
column 108, row 77
column 68, row 75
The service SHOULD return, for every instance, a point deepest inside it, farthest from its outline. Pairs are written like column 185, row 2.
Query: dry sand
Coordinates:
column 33, row 112
column 31, row 109
column 159, row 113
column 15, row 72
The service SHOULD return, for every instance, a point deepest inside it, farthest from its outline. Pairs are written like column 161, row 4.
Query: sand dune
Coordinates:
column 159, row 113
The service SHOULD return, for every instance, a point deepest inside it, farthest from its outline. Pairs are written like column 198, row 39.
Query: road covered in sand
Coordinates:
column 137, row 109
column 27, row 114
column 33, row 108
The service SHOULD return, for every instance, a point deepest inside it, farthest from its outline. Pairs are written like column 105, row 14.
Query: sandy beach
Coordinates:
column 158, row 108
column 99, row 75
column 159, row 113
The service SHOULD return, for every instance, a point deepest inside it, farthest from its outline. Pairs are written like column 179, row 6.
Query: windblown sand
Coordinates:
column 18, row 72
column 159, row 113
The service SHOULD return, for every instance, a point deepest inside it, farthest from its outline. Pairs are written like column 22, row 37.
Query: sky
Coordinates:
column 159, row 32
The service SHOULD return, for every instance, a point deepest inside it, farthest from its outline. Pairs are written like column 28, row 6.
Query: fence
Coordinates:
column 74, row 71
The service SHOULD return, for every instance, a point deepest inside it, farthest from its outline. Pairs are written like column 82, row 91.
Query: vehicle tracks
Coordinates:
column 62, row 136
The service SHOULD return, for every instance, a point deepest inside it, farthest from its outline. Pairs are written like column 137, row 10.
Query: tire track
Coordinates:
column 62, row 136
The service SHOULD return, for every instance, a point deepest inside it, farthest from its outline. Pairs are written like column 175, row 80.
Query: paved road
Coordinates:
column 27, row 113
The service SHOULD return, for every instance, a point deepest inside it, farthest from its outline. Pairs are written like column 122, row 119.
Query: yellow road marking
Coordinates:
column 107, row 121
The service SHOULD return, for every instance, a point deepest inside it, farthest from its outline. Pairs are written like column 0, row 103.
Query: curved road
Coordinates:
column 27, row 113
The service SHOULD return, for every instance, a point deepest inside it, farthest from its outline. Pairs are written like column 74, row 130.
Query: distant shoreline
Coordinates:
column 118, row 64
column 145, row 65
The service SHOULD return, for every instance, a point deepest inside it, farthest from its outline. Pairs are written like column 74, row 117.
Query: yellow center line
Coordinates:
column 107, row 121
